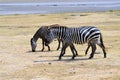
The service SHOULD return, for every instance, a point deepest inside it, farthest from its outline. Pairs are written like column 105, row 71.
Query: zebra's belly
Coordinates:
column 96, row 41
column 78, row 40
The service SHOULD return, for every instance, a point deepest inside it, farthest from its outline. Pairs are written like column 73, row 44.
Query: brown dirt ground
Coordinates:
column 17, row 62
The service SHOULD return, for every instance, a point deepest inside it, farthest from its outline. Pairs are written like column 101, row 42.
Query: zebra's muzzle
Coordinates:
column 33, row 50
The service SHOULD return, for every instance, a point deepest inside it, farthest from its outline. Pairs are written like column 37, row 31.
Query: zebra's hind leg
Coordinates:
column 103, row 48
column 63, row 51
column 48, row 47
column 93, row 51
column 87, row 49
column 73, row 49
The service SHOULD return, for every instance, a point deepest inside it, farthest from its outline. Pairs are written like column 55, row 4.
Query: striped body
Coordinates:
column 79, row 35
column 83, row 34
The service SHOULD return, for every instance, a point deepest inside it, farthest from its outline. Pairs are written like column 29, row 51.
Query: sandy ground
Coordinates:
column 17, row 62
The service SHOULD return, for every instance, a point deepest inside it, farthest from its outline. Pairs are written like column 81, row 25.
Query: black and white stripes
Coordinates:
column 79, row 35
column 83, row 34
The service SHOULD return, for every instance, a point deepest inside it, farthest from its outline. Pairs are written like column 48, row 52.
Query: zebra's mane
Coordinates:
column 56, row 26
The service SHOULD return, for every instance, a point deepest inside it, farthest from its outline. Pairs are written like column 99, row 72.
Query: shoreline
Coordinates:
column 59, row 13
column 87, row 11
column 44, row 14
column 56, row 7
column 2, row 1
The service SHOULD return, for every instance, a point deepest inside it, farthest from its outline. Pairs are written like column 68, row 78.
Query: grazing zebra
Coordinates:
column 40, row 33
column 80, row 35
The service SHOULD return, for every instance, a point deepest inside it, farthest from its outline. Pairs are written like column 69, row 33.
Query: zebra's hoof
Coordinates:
column 85, row 54
column 90, row 57
column 59, row 58
column 105, row 57
column 76, row 54
column 33, row 50
column 73, row 58
column 42, row 50
column 57, row 49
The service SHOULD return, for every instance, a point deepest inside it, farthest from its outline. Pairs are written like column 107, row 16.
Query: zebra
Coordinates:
column 40, row 33
column 77, row 35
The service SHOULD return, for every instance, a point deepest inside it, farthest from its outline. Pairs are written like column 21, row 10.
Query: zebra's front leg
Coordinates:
column 42, row 45
column 63, row 51
column 73, row 49
column 59, row 41
column 93, row 51
column 76, row 51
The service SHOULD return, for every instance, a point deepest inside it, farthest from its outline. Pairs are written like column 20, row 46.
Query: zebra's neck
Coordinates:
column 59, row 32
column 35, row 37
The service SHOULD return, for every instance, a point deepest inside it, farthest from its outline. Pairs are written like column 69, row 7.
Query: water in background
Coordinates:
column 57, row 7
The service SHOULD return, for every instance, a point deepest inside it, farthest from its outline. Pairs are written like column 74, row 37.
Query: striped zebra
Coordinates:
column 79, row 35
column 40, row 33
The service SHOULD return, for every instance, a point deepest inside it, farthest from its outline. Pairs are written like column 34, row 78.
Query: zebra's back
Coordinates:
column 83, row 34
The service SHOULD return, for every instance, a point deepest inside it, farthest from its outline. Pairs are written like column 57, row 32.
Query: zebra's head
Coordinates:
column 49, row 37
column 33, row 44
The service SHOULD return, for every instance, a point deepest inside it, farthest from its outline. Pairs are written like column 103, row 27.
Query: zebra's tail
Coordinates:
column 101, row 40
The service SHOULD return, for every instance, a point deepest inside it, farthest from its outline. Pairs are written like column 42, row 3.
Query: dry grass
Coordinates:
column 17, row 62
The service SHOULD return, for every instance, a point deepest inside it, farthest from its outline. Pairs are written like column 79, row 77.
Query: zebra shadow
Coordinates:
column 56, row 60
column 64, row 59
column 41, row 51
